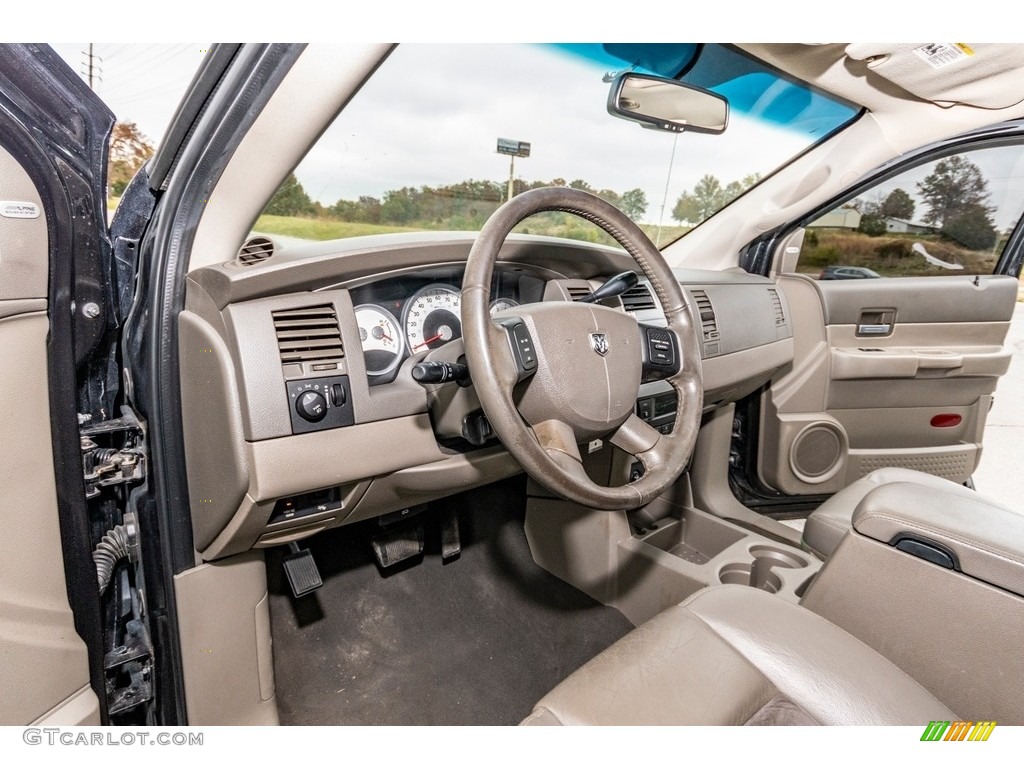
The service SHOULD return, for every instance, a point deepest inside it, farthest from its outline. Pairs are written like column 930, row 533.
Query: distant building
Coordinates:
column 902, row 226
column 840, row 218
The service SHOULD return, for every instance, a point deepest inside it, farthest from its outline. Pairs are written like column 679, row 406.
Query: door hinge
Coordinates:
column 113, row 452
column 129, row 670
column 113, row 461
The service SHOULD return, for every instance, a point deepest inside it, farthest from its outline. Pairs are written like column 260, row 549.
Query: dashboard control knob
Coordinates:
column 312, row 406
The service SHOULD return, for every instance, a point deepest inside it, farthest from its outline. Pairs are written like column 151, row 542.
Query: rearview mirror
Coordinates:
column 667, row 105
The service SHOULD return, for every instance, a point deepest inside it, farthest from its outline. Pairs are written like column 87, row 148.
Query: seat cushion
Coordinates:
column 827, row 525
column 733, row 655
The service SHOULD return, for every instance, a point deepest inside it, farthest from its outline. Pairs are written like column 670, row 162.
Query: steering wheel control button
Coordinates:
column 312, row 406
column 659, row 347
column 322, row 403
column 524, row 345
column 661, row 358
column 523, row 348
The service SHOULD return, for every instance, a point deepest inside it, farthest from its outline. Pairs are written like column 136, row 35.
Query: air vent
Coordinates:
column 577, row 292
column 780, row 314
column 255, row 250
column 638, row 298
column 308, row 335
column 706, row 313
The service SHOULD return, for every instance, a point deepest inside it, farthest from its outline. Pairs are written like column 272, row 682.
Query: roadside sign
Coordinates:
column 514, row 148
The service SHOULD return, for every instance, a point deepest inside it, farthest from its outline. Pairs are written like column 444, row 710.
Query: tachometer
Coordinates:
column 432, row 317
column 380, row 338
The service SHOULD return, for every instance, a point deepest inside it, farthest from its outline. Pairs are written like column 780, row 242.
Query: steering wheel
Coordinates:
column 552, row 375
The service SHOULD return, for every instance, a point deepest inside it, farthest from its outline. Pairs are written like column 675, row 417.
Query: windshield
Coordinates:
column 440, row 136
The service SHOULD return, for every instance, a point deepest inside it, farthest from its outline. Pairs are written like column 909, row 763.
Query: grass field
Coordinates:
column 331, row 229
column 889, row 255
column 550, row 224
column 322, row 229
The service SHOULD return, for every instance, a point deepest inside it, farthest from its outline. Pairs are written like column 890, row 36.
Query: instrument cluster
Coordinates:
column 402, row 316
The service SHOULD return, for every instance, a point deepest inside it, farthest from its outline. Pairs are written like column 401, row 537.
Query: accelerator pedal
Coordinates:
column 451, row 543
column 393, row 547
column 400, row 539
column 300, row 568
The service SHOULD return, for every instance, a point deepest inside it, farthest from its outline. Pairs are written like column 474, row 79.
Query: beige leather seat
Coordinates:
column 827, row 525
column 734, row 655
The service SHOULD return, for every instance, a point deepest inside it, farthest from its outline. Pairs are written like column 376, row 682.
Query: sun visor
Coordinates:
column 987, row 75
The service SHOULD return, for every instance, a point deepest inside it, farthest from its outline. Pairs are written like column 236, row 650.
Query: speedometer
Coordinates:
column 380, row 338
column 432, row 317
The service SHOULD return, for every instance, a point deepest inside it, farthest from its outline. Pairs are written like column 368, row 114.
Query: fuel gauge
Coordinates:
column 380, row 338
column 499, row 304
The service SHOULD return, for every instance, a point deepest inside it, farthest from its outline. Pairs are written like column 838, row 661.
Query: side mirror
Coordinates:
column 667, row 105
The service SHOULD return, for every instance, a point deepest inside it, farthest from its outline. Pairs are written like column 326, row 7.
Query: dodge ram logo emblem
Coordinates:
column 599, row 341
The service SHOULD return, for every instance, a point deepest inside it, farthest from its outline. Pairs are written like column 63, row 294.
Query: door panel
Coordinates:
column 888, row 372
column 44, row 676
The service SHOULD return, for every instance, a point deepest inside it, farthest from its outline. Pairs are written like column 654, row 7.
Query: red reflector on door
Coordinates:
column 946, row 420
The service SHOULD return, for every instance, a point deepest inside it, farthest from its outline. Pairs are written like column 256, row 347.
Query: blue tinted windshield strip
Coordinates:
column 752, row 88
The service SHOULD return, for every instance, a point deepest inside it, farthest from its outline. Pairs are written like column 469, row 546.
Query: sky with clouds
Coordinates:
column 140, row 82
column 431, row 115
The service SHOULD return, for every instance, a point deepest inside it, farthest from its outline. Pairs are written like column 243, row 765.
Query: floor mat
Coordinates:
column 476, row 641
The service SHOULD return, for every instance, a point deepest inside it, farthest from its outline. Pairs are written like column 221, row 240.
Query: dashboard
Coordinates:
column 299, row 407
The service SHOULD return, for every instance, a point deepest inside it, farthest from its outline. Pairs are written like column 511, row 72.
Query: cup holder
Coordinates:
column 779, row 558
column 760, row 572
column 748, row 575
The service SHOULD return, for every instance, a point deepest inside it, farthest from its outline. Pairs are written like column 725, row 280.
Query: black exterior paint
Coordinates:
column 227, row 96
column 58, row 130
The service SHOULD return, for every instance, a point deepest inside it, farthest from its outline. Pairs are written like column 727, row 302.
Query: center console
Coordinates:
column 642, row 568
column 934, row 581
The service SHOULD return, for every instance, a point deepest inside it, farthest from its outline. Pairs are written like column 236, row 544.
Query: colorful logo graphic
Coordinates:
column 961, row 730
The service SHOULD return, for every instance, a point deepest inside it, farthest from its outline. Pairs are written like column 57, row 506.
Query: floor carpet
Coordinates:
column 475, row 641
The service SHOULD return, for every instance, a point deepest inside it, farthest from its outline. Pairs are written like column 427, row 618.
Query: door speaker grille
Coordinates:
column 817, row 452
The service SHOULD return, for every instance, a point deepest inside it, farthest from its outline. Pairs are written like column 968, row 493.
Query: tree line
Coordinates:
column 955, row 193
column 708, row 196
column 465, row 203
column 956, row 196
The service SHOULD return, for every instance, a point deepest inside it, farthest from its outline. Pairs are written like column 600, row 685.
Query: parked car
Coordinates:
column 424, row 473
column 847, row 273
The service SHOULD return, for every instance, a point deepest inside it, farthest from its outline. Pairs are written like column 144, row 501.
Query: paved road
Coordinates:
column 999, row 474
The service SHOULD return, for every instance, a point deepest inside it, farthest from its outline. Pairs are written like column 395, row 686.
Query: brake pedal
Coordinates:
column 300, row 568
column 451, row 543
column 394, row 546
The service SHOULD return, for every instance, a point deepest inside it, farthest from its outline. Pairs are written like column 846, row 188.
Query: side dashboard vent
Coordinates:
column 577, row 292
column 706, row 313
column 255, row 250
column 638, row 298
column 780, row 313
column 308, row 335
